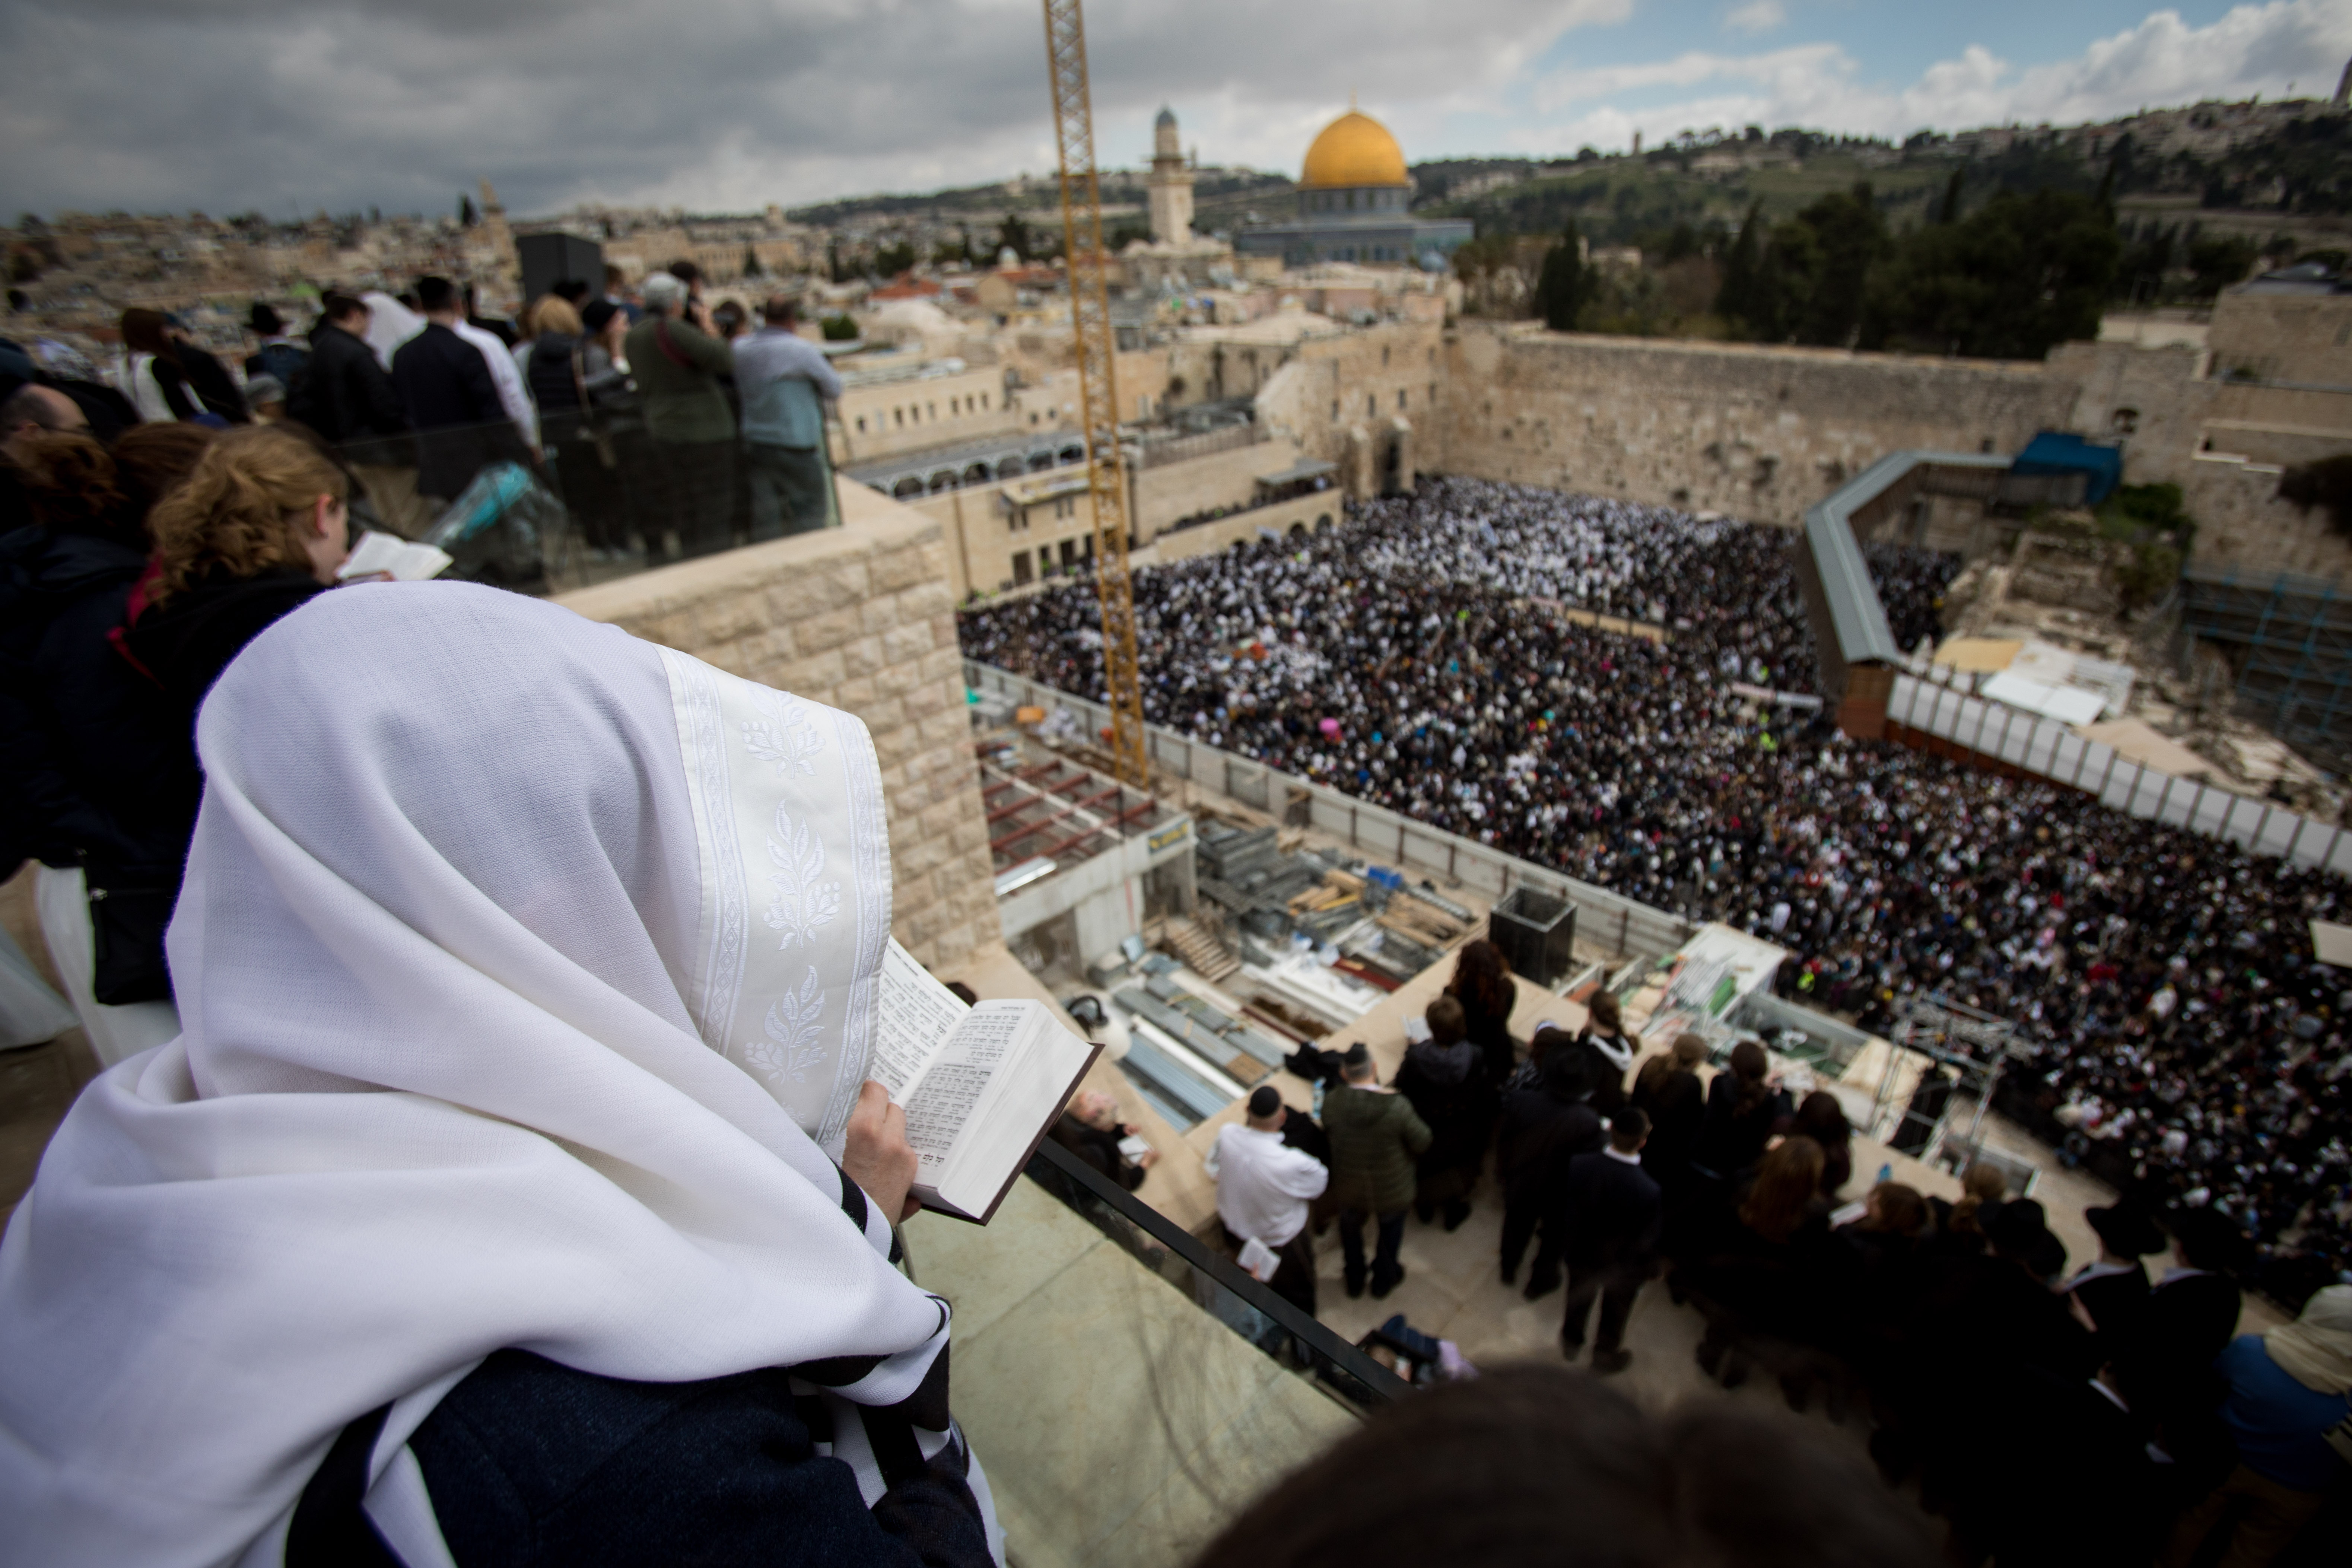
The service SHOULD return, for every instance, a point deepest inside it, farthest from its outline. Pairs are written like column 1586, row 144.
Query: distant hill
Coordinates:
column 2236, row 162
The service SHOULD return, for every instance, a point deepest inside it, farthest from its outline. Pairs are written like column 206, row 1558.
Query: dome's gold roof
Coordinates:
column 1354, row 149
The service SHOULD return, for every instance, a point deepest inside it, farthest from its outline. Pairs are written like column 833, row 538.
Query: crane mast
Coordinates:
column 1096, row 345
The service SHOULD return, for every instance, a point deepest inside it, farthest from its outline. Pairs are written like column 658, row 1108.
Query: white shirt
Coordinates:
column 1263, row 1183
column 513, row 396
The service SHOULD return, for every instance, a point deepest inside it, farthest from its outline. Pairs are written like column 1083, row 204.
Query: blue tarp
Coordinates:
column 2056, row 452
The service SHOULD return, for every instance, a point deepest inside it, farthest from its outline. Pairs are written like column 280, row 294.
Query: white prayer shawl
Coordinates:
column 390, row 324
column 527, row 974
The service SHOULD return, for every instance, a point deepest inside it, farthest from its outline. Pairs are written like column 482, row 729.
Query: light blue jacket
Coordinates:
column 783, row 381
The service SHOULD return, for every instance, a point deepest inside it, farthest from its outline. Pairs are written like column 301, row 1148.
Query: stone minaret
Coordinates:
column 1170, row 182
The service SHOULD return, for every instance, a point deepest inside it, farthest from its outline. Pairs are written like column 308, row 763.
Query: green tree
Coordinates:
column 1828, row 264
column 465, row 215
column 838, row 329
column 1564, row 286
column 889, row 260
column 752, row 268
column 1739, row 300
column 2017, row 276
column 2218, row 260
column 1013, row 233
column 1950, row 212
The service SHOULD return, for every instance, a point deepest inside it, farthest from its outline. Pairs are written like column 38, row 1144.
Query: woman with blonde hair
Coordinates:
column 259, row 528
column 572, row 379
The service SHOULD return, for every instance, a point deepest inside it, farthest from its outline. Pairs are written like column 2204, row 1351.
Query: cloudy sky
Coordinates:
column 227, row 105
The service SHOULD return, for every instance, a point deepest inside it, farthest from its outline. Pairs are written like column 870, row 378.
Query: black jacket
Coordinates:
column 2115, row 1302
column 1614, row 1208
column 184, row 643
column 347, row 396
column 1676, row 1107
column 88, row 746
column 1540, row 1132
column 1731, row 1141
column 461, row 426
column 211, row 381
column 2183, row 1325
column 530, row 1462
column 1099, row 1149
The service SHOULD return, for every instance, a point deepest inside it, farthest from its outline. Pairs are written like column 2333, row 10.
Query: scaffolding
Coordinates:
column 2289, row 638
column 1946, row 1054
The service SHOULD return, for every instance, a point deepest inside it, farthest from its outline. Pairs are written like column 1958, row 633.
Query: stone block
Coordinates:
column 849, row 583
column 830, row 629
column 864, row 655
column 908, row 644
column 732, row 617
column 892, row 570
column 857, row 694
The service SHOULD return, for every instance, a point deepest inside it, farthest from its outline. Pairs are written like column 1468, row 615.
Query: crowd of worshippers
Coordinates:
column 2176, row 1032
column 2007, row 1382
column 667, row 426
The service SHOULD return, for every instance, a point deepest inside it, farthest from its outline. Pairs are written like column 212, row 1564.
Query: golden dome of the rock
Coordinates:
column 1354, row 149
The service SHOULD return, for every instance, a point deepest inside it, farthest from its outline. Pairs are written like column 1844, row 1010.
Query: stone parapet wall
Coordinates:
column 858, row 617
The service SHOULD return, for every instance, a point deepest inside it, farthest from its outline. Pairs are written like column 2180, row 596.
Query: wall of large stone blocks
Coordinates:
column 2280, row 336
column 1750, row 432
column 2244, row 526
column 858, row 617
column 1361, row 380
column 1173, row 491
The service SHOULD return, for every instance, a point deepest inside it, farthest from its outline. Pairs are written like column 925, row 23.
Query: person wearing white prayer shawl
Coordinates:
column 513, row 1192
column 1264, row 1187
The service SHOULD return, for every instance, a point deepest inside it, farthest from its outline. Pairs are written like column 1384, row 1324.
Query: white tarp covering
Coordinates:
column 2067, row 704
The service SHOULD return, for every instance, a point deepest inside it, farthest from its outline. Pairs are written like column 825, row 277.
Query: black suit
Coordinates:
column 461, row 426
column 2072, row 1484
column 1613, row 1212
column 1539, row 1133
column 2115, row 1302
column 347, row 396
column 2187, row 1323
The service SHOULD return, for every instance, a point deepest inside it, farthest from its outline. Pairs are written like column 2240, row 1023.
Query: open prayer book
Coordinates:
column 980, row 1084
column 381, row 555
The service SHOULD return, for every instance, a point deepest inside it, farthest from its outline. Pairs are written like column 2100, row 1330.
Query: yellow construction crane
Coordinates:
column 1097, row 346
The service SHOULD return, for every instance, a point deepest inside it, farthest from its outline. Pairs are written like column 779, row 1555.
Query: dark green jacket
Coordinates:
column 1375, row 1138
column 681, row 401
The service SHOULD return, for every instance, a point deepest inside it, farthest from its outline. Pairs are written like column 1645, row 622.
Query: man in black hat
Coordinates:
column 2112, row 1290
column 2185, row 1322
column 1543, row 1127
column 277, row 356
column 1264, row 1187
column 1613, row 1212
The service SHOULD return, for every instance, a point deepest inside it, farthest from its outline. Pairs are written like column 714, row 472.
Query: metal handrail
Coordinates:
column 1353, row 1373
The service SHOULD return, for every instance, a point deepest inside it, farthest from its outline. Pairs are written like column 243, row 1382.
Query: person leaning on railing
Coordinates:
column 677, row 363
column 785, row 384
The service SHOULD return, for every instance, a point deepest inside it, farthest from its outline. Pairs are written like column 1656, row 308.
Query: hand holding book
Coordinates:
column 978, row 1086
column 877, row 1156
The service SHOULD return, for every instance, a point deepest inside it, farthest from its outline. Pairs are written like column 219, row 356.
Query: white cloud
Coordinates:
column 706, row 104
column 1757, row 16
column 2253, row 48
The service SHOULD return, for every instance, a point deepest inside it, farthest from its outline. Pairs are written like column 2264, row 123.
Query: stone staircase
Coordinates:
column 1201, row 949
